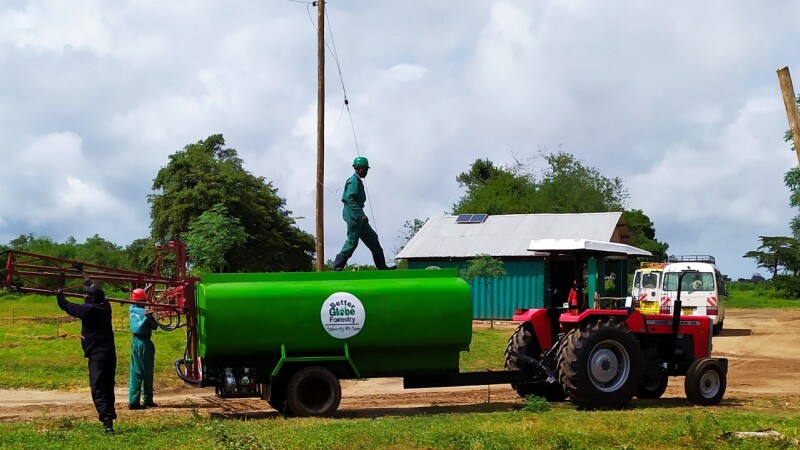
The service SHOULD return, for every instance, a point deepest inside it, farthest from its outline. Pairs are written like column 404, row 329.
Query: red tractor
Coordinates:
column 602, row 358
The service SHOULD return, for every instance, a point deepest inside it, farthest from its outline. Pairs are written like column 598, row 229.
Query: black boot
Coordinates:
column 339, row 262
column 380, row 261
column 108, row 427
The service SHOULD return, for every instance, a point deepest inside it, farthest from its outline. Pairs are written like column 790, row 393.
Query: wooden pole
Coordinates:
column 790, row 102
column 320, row 134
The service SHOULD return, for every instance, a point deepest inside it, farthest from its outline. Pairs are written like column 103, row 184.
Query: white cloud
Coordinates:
column 678, row 99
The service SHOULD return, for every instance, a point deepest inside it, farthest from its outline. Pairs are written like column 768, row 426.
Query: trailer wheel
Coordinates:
column 524, row 341
column 313, row 392
column 705, row 382
column 277, row 398
column 600, row 365
column 653, row 385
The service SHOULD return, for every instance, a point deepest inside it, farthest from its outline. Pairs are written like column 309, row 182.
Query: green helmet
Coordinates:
column 361, row 161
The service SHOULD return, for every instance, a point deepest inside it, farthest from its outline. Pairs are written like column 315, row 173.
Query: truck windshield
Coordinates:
column 702, row 281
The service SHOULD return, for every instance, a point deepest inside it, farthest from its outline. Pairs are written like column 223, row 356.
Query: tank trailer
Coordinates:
column 289, row 338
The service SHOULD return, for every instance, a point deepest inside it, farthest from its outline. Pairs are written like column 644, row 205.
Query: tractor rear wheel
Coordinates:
column 600, row 365
column 705, row 382
column 313, row 392
column 524, row 341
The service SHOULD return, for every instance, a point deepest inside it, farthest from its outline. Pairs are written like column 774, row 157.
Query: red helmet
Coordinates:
column 139, row 295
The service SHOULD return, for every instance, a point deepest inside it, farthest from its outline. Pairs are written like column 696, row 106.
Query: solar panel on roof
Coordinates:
column 471, row 218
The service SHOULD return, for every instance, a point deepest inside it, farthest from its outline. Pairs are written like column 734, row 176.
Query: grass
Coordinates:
column 561, row 427
column 763, row 295
column 39, row 353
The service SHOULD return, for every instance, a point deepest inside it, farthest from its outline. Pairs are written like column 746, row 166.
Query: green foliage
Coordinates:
column 571, row 187
column 566, row 185
column 212, row 235
column 95, row 250
column 206, row 174
column 534, row 403
column 758, row 295
column 776, row 253
column 643, row 234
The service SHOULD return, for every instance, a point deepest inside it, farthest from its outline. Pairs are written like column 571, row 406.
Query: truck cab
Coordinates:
column 702, row 290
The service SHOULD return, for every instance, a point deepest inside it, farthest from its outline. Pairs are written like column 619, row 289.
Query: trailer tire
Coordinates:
column 277, row 397
column 705, row 382
column 653, row 385
column 524, row 341
column 313, row 392
column 600, row 365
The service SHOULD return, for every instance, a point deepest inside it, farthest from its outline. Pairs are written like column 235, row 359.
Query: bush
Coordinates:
column 787, row 285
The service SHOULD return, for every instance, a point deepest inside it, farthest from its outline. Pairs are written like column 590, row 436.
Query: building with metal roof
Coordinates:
column 543, row 254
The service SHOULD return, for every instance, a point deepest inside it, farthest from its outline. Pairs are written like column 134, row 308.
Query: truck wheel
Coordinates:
column 653, row 385
column 705, row 382
column 600, row 365
column 524, row 341
column 715, row 330
column 313, row 392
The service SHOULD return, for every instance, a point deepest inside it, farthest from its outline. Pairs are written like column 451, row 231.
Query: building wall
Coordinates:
column 522, row 287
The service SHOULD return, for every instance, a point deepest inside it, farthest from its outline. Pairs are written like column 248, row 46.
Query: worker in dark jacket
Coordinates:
column 143, row 353
column 358, row 227
column 97, row 340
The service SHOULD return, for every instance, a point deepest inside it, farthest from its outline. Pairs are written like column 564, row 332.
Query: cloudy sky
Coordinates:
column 680, row 99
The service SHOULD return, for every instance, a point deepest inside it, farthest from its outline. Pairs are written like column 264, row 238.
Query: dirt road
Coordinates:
column 763, row 348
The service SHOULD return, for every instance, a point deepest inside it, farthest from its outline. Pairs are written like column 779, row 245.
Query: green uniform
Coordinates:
column 353, row 198
column 143, row 354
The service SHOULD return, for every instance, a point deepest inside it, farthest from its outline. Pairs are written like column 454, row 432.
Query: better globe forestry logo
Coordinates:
column 342, row 315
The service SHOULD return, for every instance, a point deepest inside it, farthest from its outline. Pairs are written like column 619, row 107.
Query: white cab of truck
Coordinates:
column 702, row 288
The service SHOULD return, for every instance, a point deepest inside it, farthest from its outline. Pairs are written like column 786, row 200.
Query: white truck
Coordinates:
column 702, row 290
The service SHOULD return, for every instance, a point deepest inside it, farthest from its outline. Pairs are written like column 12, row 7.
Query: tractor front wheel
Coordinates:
column 705, row 382
column 600, row 365
column 313, row 392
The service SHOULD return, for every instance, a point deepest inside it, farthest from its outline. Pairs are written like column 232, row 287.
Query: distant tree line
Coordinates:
column 234, row 221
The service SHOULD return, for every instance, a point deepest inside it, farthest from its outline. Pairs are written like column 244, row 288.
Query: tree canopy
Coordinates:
column 566, row 185
column 205, row 174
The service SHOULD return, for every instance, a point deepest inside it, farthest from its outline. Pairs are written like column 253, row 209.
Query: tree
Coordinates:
column 205, row 174
column 567, row 186
column 212, row 235
column 487, row 269
column 643, row 234
column 410, row 229
column 776, row 253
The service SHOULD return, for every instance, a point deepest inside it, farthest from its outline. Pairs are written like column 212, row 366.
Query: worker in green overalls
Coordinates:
column 358, row 227
column 143, row 353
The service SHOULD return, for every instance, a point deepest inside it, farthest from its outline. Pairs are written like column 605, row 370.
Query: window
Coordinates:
column 701, row 281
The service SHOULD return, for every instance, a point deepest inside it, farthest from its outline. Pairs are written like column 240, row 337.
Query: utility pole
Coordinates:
column 790, row 102
column 320, row 133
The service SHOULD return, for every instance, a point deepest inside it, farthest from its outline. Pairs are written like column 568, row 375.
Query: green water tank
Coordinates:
column 394, row 323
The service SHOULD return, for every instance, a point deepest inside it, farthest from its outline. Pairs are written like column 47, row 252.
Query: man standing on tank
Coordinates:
column 358, row 227
column 97, row 341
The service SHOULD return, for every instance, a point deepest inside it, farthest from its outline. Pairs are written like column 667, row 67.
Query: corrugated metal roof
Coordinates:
column 505, row 235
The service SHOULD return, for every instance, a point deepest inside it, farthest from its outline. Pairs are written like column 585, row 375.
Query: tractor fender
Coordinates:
column 540, row 320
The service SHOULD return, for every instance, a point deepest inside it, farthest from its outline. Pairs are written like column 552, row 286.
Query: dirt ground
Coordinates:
column 762, row 346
